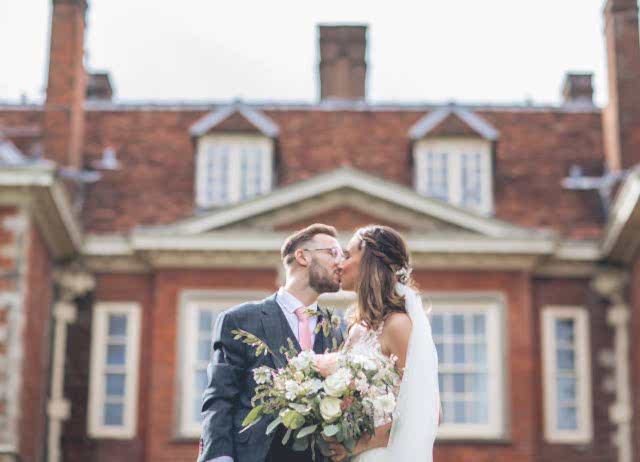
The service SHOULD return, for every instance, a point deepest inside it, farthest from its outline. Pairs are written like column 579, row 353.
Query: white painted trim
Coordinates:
column 101, row 311
column 626, row 202
column 430, row 121
column 492, row 306
column 582, row 348
column 345, row 177
column 190, row 302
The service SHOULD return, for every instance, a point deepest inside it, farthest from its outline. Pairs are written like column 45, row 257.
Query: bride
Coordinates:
column 389, row 315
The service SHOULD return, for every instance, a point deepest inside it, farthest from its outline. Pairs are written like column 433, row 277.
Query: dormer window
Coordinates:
column 234, row 155
column 456, row 171
column 452, row 154
column 232, row 168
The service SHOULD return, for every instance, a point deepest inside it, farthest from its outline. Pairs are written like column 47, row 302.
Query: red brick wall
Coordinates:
column 162, row 446
column 37, row 351
column 522, row 398
column 577, row 292
column 76, row 445
column 635, row 354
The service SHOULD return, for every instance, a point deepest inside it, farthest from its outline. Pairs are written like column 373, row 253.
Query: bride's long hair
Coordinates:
column 384, row 262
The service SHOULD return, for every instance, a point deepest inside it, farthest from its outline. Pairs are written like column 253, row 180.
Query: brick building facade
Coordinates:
column 125, row 228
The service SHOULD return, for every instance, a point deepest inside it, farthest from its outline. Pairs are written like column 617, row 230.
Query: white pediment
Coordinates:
column 347, row 187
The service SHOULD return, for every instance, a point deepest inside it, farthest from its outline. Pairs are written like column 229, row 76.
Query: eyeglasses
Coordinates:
column 336, row 252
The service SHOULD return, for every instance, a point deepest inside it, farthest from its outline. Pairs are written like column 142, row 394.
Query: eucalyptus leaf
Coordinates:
column 306, row 431
column 272, row 426
column 286, row 437
column 253, row 415
column 330, row 430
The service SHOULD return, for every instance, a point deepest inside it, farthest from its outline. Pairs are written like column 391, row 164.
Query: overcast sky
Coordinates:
column 498, row 51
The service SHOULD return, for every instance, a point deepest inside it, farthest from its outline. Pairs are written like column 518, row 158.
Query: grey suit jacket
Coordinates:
column 227, row 398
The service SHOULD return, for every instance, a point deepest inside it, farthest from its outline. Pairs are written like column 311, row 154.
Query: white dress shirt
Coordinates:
column 289, row 305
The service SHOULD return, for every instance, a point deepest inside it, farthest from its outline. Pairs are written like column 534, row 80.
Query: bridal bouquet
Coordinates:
column 338, row 395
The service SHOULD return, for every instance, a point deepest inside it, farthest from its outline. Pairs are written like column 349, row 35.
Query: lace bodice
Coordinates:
column 365, row 343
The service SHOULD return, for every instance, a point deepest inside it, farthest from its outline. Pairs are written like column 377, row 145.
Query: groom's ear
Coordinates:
column 301, row 257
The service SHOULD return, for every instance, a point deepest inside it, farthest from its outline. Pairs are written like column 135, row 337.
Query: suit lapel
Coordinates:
column 276, row 328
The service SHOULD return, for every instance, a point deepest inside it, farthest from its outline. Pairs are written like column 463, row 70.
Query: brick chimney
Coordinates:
column 621, row 118
column 66, row 87
column 343, row 66
column 578, row 89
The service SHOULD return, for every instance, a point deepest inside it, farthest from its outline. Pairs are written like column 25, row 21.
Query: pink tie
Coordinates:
column 304, row 332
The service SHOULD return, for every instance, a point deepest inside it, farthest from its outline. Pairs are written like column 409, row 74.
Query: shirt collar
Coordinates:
column 290, row 302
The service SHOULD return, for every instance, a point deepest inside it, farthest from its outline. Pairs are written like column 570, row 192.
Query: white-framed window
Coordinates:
column 469, row 337
column 231, row 168
column 198, row 311
column 455, row 170
column 115, row 352
column 567, row 374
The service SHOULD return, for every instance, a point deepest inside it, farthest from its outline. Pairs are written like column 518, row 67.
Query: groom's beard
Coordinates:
column 321, row 279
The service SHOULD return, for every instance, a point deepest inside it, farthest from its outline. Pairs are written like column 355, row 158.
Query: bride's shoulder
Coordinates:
column 397, row 322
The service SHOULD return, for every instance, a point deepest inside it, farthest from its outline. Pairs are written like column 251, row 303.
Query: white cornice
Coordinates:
column 35, row 185
column 142, row 252
column 622, row 234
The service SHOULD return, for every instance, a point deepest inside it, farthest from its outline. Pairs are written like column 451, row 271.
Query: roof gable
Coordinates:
column 340, row 186
column 235, row 116
column 452, row 120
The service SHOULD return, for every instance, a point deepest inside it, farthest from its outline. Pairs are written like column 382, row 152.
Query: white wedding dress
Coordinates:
column 415, row 424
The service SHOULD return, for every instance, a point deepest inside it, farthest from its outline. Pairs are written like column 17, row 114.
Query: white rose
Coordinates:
column 303, row 360
column 293, row 389
column 336, row 384
column 330, row 408
column 384, row 404
column 312, row 386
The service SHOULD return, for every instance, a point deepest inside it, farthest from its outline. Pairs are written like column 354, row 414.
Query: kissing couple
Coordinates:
column 387, row 317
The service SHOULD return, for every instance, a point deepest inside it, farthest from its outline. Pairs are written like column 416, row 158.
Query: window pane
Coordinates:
column 458, row 353
column 458, row 383
column 564, row 330
column 205, row 320
column 436, row 325
column 458, row 412
column 478, row 324
column 117, row 325
column 565, row 359
column 116, row 355
column 566, row 389
column 567, row 418
column 200, row 385
column 436, row 175
column 471, row 179
column 458, row 324
column 440, row 350
column 113, row 414
column 115, row 384
column 479, row 384
column 204, row 347
column 479, row 353
column 479, row 412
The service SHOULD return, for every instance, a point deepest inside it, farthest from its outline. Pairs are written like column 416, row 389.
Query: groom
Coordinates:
column 312, row 258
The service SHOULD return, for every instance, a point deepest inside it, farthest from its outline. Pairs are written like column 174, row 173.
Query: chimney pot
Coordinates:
column 578, row 89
